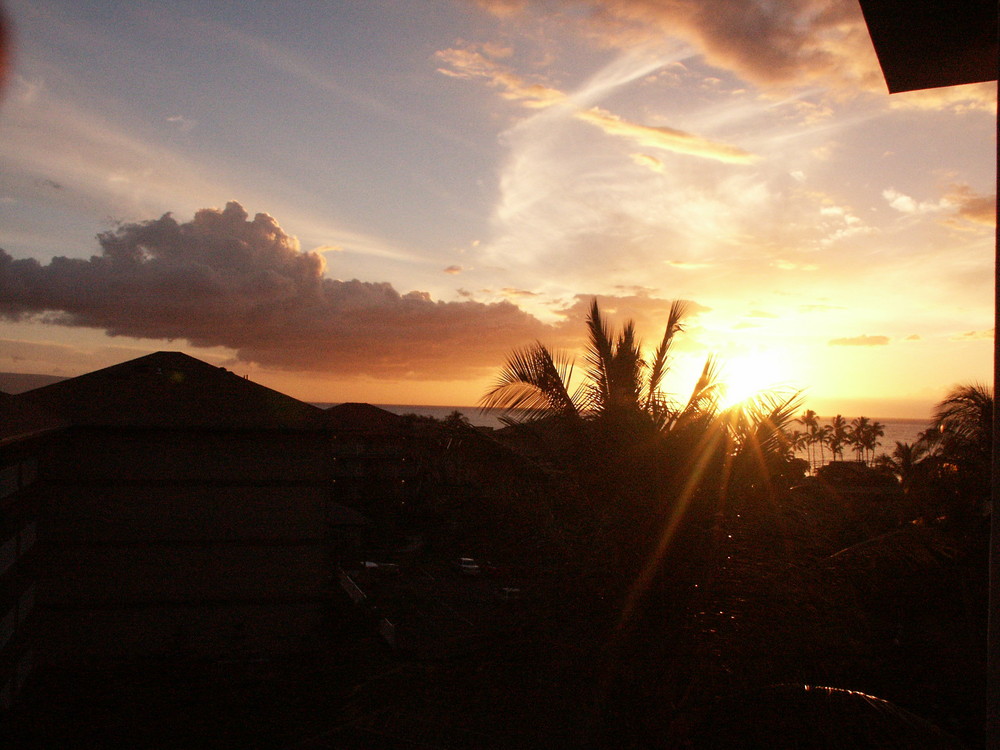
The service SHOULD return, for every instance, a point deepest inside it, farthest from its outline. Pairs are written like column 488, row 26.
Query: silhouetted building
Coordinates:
column 182, row 511
column 24, row 432
column 378, row 462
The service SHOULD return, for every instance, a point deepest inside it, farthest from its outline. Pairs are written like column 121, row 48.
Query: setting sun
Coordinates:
column 747, row 375
column 458, row 181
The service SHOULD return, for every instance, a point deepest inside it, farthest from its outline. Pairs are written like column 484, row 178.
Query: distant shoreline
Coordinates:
column 902, row 425
column 14, row 383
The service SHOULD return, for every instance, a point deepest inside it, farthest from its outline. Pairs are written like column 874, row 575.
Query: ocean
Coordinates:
column 896, row 430
column 438, row 412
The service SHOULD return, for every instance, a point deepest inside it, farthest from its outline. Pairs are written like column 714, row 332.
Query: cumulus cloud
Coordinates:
column 861, row 341
column 223, row 279
column 454, row 270
column 959, row 208
column 908, row 205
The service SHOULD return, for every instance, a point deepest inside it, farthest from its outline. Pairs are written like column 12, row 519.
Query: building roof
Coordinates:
column 21, row 420
column 172, row 390
column 363, row 418
column 923, row 44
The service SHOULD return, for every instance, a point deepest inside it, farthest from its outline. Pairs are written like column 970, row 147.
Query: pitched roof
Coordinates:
column 173, row 390
column 363, row 418
column 21, row 420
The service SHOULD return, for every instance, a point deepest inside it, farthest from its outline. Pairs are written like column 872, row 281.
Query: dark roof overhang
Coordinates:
column 923, row 44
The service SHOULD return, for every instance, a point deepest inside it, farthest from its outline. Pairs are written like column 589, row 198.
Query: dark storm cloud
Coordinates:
column 223, row 279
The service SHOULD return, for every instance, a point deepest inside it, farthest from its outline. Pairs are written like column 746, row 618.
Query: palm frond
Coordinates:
column 659, row 365
column 626, row 370
column 766, row 419
column 533, row 383
column 707, row 391
column 966, row 412
column 600, row 353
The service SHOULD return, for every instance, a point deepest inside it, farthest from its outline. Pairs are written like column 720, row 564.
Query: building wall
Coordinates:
column 193, row 542
column 118, row 456
column 18, row 566
column 96, row 636
column 189, row 511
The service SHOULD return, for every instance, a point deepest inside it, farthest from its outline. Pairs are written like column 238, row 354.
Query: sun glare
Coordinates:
column 746, row 375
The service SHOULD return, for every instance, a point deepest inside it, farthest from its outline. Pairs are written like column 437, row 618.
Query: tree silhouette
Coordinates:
column 963, row 444
column 837, row 437
column 620, row 410
column 905, row 462
column 619, row 386
column 858, row 435
column 810, row 421
column 964, row 422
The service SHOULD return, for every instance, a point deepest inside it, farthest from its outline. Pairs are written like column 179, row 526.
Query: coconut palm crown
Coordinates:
column 622, row 390
column 619, row 381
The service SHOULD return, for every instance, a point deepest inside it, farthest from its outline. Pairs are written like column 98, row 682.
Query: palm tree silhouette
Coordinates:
column 810, row 421
column 863, row 436
column 619, row 406
column 905, row 461
column 857, row 436
column 964, row 422
column 875, row 430
column 620, row 385
column 821, row 436
column 837, row 438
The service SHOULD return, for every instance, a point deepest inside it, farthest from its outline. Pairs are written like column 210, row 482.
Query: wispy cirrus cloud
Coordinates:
column 664, row 138
column 471, row 64
column 97, row 162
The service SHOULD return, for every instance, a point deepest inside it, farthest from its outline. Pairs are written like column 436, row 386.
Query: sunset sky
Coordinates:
column 374, row 200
